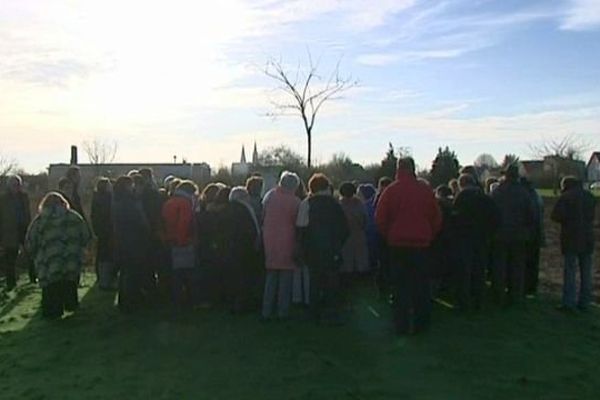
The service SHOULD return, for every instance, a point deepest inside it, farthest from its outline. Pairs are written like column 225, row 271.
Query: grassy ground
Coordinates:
column 531, row 352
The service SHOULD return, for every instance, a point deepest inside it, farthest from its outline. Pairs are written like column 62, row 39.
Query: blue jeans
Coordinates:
column 572, row 262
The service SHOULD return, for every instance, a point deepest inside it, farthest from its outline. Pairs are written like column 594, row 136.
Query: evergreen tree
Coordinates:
column 445, row 167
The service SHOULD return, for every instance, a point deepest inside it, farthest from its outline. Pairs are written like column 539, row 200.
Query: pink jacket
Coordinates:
column 280, row 209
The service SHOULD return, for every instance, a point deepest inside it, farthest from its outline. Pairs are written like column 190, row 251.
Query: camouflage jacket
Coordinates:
column 56, row 241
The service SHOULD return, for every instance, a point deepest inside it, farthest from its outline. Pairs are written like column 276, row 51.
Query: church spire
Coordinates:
column 255, row 155
column 243, row 159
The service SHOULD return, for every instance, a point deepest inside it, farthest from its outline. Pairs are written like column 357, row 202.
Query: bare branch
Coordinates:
column 7, row 166
column 570, row 147
column 100, row 151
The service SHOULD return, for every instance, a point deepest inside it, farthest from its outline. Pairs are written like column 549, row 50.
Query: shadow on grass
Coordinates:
column 528, row 352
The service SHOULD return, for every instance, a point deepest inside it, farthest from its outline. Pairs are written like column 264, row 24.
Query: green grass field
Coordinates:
column 530, row 352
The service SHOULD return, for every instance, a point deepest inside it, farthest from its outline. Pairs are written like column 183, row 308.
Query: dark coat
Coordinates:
column 475, row 216
column 74, row 200
column 326, row 233
column 575, row 212
column 15, row 217
column 102, row 224
column 131, row 233
column 517, row 212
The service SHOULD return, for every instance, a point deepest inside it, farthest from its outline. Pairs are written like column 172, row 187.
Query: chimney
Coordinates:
column 73, row 155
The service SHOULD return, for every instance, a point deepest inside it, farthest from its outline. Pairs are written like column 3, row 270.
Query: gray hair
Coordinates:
column 289, row 180
column 466, row 180
column 239, row 193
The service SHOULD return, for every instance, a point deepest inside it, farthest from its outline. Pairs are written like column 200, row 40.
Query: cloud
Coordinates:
column 582, row 15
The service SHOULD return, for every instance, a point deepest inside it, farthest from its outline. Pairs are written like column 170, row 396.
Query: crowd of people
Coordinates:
column 232, row 247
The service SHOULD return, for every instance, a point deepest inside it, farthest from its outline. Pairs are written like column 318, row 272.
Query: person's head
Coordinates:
column 188, row 187
column 526, row 182
column 406, row 165
column 254, row 186
column 74, row 175
column 488, row 183
column 384, row 182
column 14, row 183
column 173, row 183
column 123, row 186
column 65, row 185
column 471, row 170
column 443, row 192
column 466, row 181
column 425, row 182
column 494, row 186
column 209, row 193
column 289, row 181
column 222, row 196
column 511, row 173
column 569, row 182
column 347, row 190
column 133, row 172
column 453, row 184
column 53, row 200
column 103, row 185
column 239, row 193
column 319, row 182
column 138, row 182
column 367, row 191
column 147, row 174
column 167, row 181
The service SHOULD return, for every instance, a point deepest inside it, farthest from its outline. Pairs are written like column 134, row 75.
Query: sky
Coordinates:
column 186, row 78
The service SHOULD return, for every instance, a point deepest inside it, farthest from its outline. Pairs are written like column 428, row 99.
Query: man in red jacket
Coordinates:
column 408, row 218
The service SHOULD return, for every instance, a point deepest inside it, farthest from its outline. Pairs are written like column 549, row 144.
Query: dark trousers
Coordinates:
column 132, row 295
column 383, row 273
column 412, row 293
column 508, row 277
column 532, row 267
column 184, row 287
column 9, row 262
column 470, row 277
column 324, row 293
column 58, row 297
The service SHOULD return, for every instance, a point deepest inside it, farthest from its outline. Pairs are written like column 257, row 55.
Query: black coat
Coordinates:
column 326, row 233
column 517, row 212
column 102, row 224
column 575, row 212
column 475, row 216
column 132, row 236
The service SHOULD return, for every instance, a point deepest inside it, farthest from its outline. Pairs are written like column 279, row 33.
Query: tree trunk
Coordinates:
column 309, row 142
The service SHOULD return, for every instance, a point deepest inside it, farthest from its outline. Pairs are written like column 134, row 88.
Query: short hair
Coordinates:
column 121, row 185
column 222, row 196
column 254, row 185
column 466, row 180
column 453, row 184
column 133, row 172
column 102, row 184
column 318, row 182
column 406, row 164
column 569, row 182
column 188, row 187
column 63, row 182
column 138, row 179
column 443, row 191
column 147, row 173
column 210, row 192
column 488, row 183
column 384, row 182
column 366, row 190
column 289, row 181
column 53, row 199
column 470, row 170
column 239, row 193
column 301, row 190
column 347, row 189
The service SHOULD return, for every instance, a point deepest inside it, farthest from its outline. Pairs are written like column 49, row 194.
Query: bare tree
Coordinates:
column 570, row 147
column 100, row 151
column 306, row 92
column 7, row 165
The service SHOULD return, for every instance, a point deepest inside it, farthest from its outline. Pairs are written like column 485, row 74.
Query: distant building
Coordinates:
column 198, row 172
column 593, row 167
column 548, row 172
column 244, row 168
